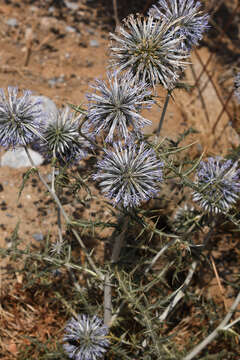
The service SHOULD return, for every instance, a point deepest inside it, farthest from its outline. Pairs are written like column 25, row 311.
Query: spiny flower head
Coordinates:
column 129, row 175
column 237, row 87
column 150, row 50
column 193, row 22
column 114, row 108
column 85, row 338
column 219, row 182
column 21, row 118
column 57, row 247
column 63, row 140
column 183, row 217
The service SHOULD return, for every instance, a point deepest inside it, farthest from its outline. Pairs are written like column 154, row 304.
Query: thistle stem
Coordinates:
column 163, row 112
column 56, row 199
column 118, row 244
column 215, row 333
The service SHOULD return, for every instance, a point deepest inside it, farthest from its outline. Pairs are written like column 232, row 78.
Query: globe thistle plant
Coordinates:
column 184, row 218
column 129, row 175
column 21, row 118
column 192, row 21
column 219, row 182
column 149, row 50
column 237, row 87
column 114, row 109
column 85, row 338
column 63, row 140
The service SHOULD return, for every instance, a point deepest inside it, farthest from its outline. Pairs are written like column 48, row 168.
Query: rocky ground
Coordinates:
column 57, row 49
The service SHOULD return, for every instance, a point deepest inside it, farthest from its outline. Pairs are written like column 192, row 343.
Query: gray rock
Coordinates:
column 71, row 5
column 48, row 107
column 94, row 43
column 51, row 9
column 70, row 29
column 12, row 22
column 56, row 80
column 90, row 31
column 38, row 236
column 18, row 158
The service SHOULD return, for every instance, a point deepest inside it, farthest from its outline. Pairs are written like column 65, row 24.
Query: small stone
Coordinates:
column 51, row 9
column 90, row 31
column 70, row 29
column 49, row 108
column 9, row 215
column 56, row 80
column 71, row 5
column 94, row 43
column 17, row 158
column 12, row 22
column 38, row 236
column 48, row 23
column 33, row 8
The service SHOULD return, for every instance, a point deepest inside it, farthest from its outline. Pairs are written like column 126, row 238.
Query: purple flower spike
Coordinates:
column 219, row 180
column 129, row 175
column 193, row 22
column 114, row 108
column 21, row 118
column 85, row 338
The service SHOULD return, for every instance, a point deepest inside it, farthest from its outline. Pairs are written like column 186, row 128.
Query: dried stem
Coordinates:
column 215, row 333
column 179, row 292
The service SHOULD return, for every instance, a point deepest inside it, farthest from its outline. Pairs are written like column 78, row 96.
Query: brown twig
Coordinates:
column 213, row 84
column 200, row 95
column 115, row 10
column 222, row 111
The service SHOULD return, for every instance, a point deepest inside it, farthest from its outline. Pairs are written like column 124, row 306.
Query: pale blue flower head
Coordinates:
column 129, row 175
column 115, row 107
column 21, row 118
column 192, row 21
column 63, row 140
column 219, row 182
column 85, row 338
column 150, row 50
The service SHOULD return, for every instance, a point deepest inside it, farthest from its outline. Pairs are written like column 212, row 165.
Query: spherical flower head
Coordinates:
column 184, row 217
column 193, row 22
column 20, row 118
column 129, row 175
column 219, row 182
column 63, row 140
column 85, row 338
column 237, row 87
column 114, row 108
column 150, row 50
